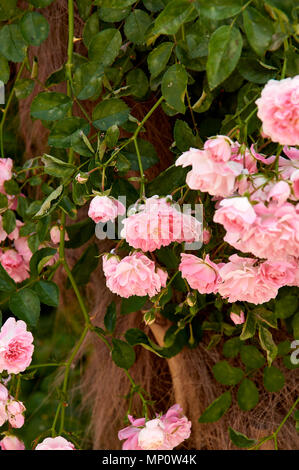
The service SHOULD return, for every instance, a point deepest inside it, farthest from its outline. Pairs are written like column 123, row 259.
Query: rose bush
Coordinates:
column 226, row 74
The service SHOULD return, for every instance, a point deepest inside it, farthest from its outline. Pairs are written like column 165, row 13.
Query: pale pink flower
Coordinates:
column 10, row 442
column 206, row 236
column 130, row 433
column 15, row 410
column 3, row 413
column 22, row 247
column 5, row 171
column 245, row 157
column 16, row 346
column 55, row 235
column 158, row 224
column 177, row 427
column 235, row 214
column 241, row 281
column 103, row 208
column 55, row 443
column 15, row 265
column 278, row 109
column 219, row 148
column 278, row 273
column 280, row 192
column 3, row 393
column 133, row 275
column 238, row 319
column 291, row 152
column 202, row 275
column 215, row 178
column 152, row 436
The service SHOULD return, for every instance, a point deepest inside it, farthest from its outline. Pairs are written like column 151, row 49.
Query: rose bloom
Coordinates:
column 55, row 235
column 14, row 265
column 5, row 171
column 238, row 319
column 215, row 178
column 55, row 443
column 202, row 275
column 13, row 235
column 279, row 273
column 16, row 346
column 103, row 208
column 278, row 109
column 15, row 410
column 219, row 148
column 133, row 275
column 10, row 442
column 158, row 224
column 162, row 433
column 22, row 247
column 235, row 214
column 241, row 281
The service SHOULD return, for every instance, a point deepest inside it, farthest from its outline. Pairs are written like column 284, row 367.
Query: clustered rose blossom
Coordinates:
column 278, row 109
column 103, row 208
column 10, row 442
column 202, row 275
column 16, row 346
column 55, row 443
column 11, row 410
column 159, row 223
column 133, row 275
column 14, row 264
column 5, row 171
column 162, row 433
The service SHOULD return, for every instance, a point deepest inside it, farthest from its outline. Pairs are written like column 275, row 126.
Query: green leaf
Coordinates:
column 132, row 304
column 134, row 336
column 273, row 379
column 159, row 57
column 7, row 284
column 174, row 86
column 226, row 374
column 112, row 136
column 295, row 325
column 41, row 3
column 225, row 48
column 167, row 181
column 91, row 28
column 136, row 26
column 86, row 264
column 253, row 71
column 12, row 44
column 112, row 15
column 23, row 88
column 248, row 395
column 137, row 82
column 40, row 258
column 56, row 167
column 249, row 327
column 110, row 318
column 122, row 354
column 216, row 410
column 115, row 3
column 34, row 27
column 25, row 305
column 173, row 16
column 218, row 9
column 286, row 306
column 252, row 357
column 240, row 440
column 154, row 5
column 7, row 9
column 11, row 187
column 50, row 106
column 50, row 202
column 79, row 233
column 87, row 80
column 47, row 292
column 4, row 69
column 67, row 131
column 147, row 151
column 104, row 46
column 258, row 29
column 109, row 113
column 184, row 137
column 267, row 344
column 84, row 8
column 9, row 221
column 232, row 347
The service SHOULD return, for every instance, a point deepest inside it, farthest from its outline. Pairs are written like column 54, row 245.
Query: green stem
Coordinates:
column 77, row 292
column 142, row 190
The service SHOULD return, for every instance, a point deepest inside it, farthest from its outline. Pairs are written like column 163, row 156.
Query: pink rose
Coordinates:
column 5, row 171
column 241, row 281
column 238, row 319
column 278, row 273
column 235, row 214
column 130, row 434
column 10, row 442
column 215, row 178
column 133, row 275
column 278, row 109
column 16, row 346
column 176, row 427
column 103, row 208
column 15, row 410
column 152, row 436
column 22, row 247
column 55, row 235
column 55, row 443
column 280, row 192
column 219, row 148
column 206, row 236
column 158, row 224
column 202, row 275
column 15, row 265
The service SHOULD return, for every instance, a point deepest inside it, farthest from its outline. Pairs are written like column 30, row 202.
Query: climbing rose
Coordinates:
column 103, row 208
column 238, row 319
column 202, row 275
column 162, row 433
column 55, row 235
column 14, row 264
column 55, row 443
column 15, row 410
column 278, row 109
column 235, row 214
column 16, row 346
column 279, row 273
column 5, row 171
column 22, row 247
column 133, row 275
column 10, row 442
column 159, row 223
column 219, row 148
column 208, row 175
